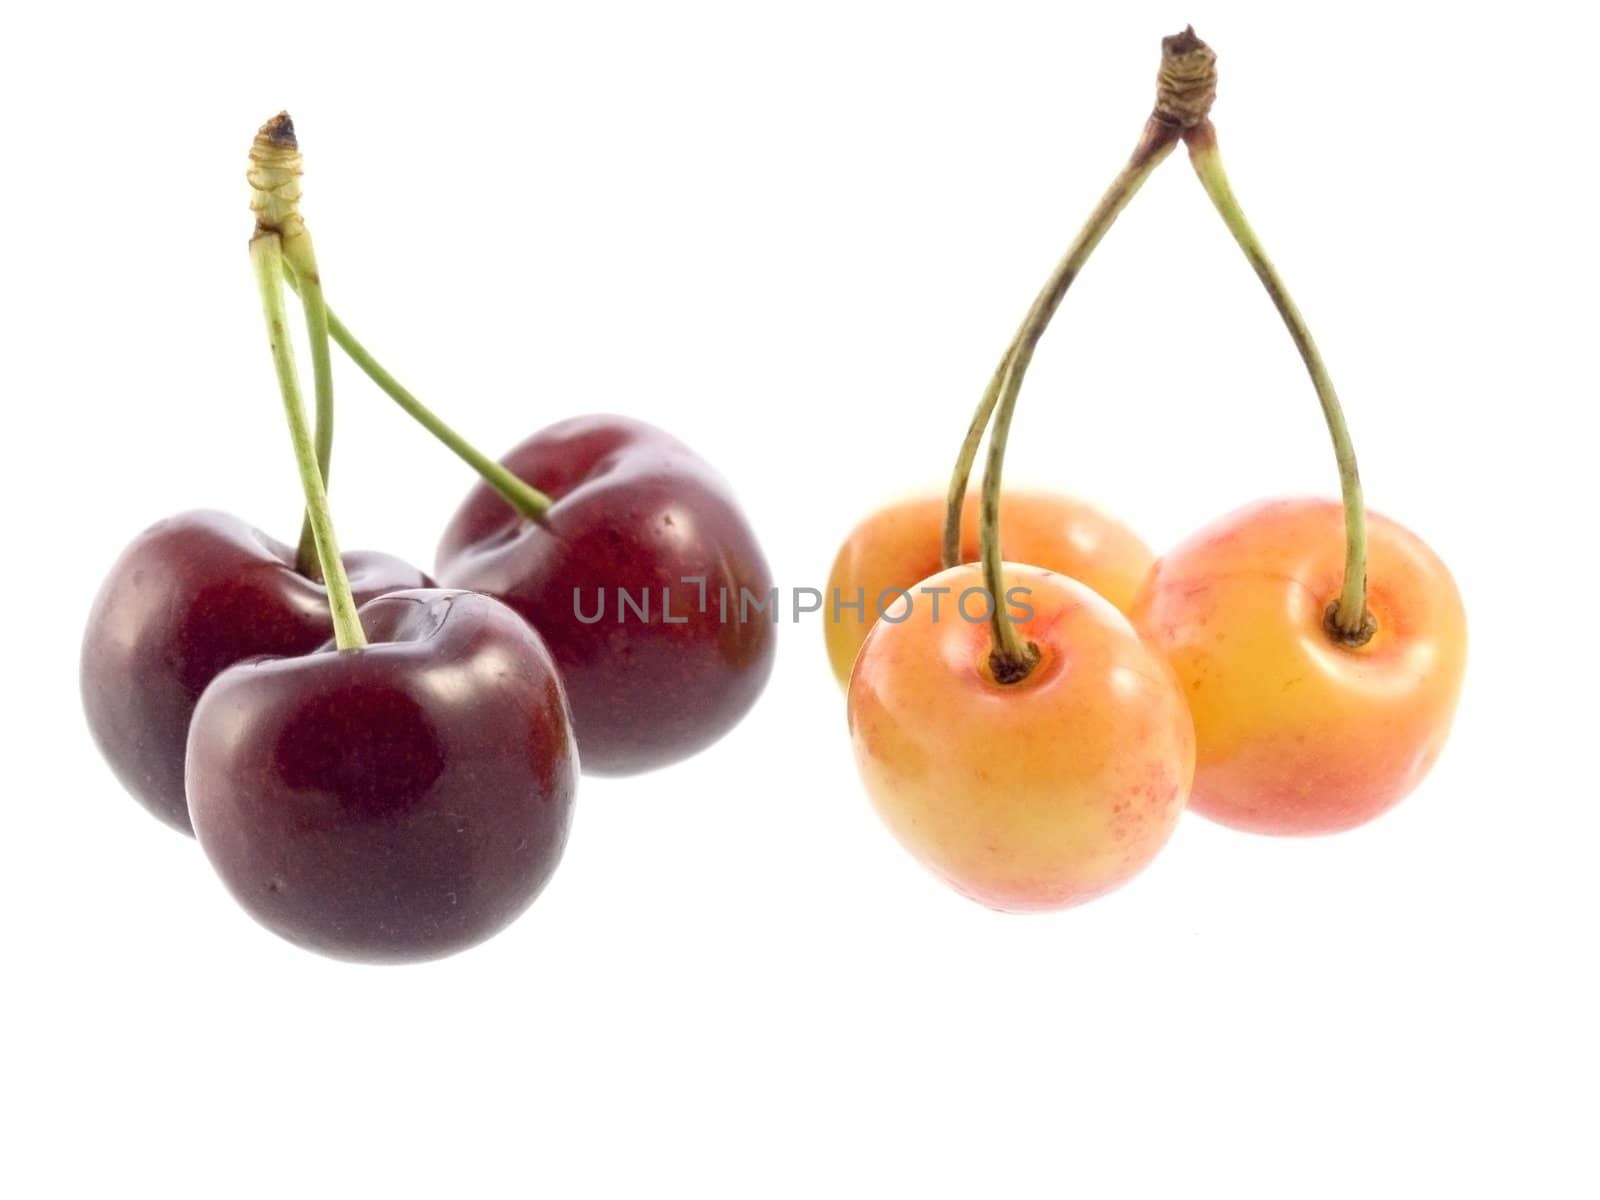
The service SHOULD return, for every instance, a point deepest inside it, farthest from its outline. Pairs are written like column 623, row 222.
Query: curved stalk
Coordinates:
column 1158, row 141
column 999, row 402
column 1186, row 85
column 1348, row 617
column 1185, row 88
column 522, row 496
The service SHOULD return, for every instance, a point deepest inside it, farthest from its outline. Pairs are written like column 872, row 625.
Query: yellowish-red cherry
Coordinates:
column 1025, row 796
column 1297, row 731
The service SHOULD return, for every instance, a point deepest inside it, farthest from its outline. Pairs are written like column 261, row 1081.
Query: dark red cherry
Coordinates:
column 191, row 596
column 666, row 671
column 396, row 802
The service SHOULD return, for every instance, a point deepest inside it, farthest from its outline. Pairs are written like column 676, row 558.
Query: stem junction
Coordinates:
column 274, row 177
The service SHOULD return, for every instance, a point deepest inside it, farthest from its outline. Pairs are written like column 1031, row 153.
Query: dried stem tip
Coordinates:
column 1187, row 82
column 274, row 178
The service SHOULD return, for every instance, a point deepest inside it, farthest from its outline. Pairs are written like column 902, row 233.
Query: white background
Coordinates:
column 799, row 236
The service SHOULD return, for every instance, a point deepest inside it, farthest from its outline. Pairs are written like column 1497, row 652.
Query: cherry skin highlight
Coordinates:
column 189, row 597
column 394, row 803
column 634, row 511
column 1033, row 795
column 898, row 546
column 1298, row 732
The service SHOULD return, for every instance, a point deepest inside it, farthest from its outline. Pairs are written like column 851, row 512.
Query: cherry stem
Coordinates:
column 522, row 496
column 267, row 258
column 1348, row 618
column 1011, row 656
column 1014, row 363
column 274, row 177
column 1186, row 86
column 300, row 254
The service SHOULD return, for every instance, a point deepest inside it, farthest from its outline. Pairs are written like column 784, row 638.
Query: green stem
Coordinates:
column 1157, row 142
column 274, row 178
column 522, row 496
column 299, row 256
column 1185, row 88
column 1012, row 659
column 266, row 257
column 1347, row 617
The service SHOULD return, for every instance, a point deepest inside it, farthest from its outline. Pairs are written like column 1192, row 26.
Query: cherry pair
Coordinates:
column 1295, row 666
column 384, row 769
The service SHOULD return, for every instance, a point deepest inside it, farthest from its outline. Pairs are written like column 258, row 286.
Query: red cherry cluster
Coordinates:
column 1292, row 669
column 380, row 768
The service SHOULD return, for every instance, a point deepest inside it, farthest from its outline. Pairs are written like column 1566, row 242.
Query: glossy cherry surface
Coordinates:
column 635, row 513
column 398, row 802
column 1297, row 732
column 189, row 597
column 1024, row 796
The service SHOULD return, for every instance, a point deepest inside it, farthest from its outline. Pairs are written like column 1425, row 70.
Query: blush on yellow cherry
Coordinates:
column 898, row 545
column 1297, row 730
column 1032, row 795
